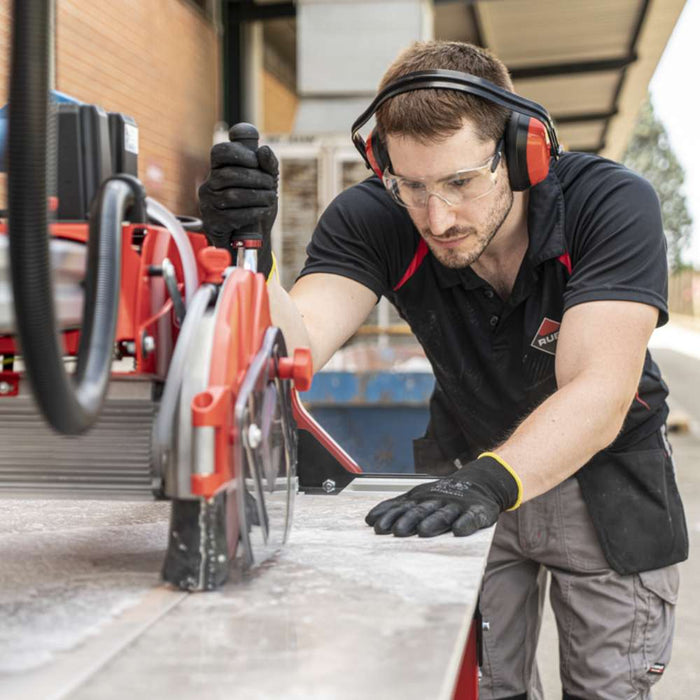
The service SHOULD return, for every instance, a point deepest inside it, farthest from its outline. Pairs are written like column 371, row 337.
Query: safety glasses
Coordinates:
column 455, row 189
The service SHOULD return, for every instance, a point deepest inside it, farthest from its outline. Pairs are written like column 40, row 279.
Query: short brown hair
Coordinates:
column 429, row 114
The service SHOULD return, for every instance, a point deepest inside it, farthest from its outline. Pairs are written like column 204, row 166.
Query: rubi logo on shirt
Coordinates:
column 546, row 337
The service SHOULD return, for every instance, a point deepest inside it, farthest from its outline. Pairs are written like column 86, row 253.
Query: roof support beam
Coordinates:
column 248, row 11
column 476, row 22
column 550, row 70
column 586, row 117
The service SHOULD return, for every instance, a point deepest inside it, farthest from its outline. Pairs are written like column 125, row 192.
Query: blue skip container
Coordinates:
column 374, row 416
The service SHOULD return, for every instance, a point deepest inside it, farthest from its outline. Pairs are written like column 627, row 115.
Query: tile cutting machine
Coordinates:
column 138, row 361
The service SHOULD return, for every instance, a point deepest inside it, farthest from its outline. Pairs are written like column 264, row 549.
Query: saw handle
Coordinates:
column 246, row 236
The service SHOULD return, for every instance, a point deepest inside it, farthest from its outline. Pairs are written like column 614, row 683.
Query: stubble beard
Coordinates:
column 458, row 259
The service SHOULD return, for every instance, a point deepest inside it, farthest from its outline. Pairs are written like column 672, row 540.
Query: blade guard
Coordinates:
column 232, row 509
column 243, row 317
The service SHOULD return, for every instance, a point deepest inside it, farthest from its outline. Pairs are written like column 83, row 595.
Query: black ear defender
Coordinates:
column 530, row 137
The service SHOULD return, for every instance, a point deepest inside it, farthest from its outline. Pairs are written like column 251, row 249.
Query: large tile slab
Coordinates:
column 339, row 613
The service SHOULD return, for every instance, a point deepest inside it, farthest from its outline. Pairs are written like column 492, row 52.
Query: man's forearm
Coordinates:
column 563, row 433
column 286, row 316
column 320, row 312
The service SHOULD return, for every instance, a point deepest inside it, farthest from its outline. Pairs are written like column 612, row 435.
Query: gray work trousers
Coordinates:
column 615, row 632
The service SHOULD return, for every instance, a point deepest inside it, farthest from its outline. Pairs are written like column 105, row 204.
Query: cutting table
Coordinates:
column 339, row 613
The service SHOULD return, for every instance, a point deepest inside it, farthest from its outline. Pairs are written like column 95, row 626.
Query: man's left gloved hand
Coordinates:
column 464, row 502
column 240, row 191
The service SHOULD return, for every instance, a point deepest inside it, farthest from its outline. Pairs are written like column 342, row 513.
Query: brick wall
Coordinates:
column 156, row 60
column 5, row 11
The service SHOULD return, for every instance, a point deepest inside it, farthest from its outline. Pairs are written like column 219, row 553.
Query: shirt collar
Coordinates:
column 545, row 224
column 545, row 220
column 448, row 277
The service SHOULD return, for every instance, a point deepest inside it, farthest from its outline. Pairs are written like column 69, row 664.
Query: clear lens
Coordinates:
column 462, row 186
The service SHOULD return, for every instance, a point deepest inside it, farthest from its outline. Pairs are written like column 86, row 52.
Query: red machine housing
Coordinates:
column 143, row 247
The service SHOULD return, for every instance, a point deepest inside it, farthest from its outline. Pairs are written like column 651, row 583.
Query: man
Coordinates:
column 534, row 308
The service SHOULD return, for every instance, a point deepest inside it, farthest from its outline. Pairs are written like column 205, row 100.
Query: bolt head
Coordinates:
column 5, row 388
column 148, row 345
column 328, row 485
column 254, row 436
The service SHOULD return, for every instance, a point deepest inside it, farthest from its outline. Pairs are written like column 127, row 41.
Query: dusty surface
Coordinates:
column 339, row 613
column 69, row 567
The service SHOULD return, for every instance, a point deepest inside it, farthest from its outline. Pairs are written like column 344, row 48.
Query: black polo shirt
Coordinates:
column 595, row 234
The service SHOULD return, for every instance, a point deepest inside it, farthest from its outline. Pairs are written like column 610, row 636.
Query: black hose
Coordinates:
column 70, row 405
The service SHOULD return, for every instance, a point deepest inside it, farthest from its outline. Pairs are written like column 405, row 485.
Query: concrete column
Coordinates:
column 252, row 37
column 343, row 48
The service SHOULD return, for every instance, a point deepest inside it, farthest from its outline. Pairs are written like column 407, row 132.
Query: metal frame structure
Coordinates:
column 238, row 14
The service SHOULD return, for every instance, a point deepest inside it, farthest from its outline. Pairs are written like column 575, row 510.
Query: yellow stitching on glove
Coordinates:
column 511, row 471
column 274, row 273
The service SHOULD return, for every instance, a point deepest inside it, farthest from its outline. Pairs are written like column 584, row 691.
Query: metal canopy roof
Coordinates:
column 588, row 62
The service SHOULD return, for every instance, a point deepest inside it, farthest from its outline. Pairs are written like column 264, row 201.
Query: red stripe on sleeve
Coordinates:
column 644, row 403
column 565, row 260
column 421, row 252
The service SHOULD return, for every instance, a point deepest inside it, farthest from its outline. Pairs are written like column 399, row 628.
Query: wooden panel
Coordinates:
column 581, row 135
column 572, row 94
column 558, row 31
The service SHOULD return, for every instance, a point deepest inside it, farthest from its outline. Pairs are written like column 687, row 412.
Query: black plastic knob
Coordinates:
column 245, row 134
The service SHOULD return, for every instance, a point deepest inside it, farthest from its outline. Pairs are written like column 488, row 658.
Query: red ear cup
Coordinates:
column 527, row 151
column 538, row 152
column 376, row 154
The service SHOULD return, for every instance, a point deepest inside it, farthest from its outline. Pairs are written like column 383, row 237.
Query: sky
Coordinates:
column 676, row 102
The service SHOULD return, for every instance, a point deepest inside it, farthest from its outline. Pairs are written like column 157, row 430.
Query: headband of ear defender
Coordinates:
column 530, row 137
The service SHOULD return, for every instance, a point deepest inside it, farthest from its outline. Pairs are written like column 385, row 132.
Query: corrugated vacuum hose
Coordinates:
column 70, row 404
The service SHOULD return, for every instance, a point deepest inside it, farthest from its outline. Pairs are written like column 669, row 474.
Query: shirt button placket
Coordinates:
column 493, row 306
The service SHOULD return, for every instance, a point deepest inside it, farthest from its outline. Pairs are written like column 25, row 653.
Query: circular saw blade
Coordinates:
column 266, row 454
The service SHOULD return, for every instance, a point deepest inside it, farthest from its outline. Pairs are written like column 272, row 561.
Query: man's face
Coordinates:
column 456, row 235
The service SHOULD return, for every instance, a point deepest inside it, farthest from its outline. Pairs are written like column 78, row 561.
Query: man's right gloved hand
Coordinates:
column 240, row 191
column 469, row 499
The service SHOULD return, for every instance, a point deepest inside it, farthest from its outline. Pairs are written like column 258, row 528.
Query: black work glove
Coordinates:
column 464, row 502
column 240, row 191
